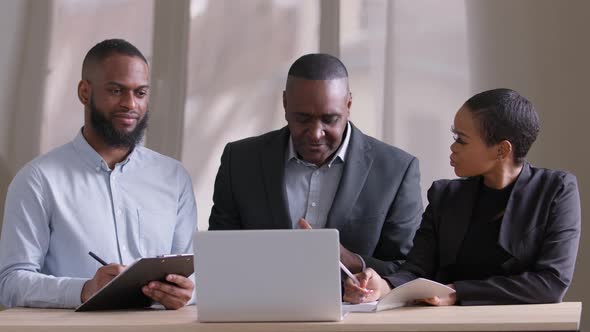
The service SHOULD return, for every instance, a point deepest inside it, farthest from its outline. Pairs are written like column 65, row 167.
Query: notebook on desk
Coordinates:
column 400, row 296
column 267, row 275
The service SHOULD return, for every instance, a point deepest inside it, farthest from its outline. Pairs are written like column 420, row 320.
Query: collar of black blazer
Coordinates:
column 514, row 223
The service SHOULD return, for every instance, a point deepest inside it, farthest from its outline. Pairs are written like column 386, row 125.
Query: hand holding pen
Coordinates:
column 103, row 276
column 98, row 259
column 371, row 287
column 349, row 274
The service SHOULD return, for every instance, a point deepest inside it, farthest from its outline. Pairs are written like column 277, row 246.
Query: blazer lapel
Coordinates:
column 513, row 225
column 273, row 169
column 359, row 158
column 456, row 221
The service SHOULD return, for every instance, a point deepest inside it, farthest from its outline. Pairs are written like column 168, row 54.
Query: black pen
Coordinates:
column 98, row 259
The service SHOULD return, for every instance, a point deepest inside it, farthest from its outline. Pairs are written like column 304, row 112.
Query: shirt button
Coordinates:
column 119, row 211
column 98, row 168
column 313, row 204
column 124, row 248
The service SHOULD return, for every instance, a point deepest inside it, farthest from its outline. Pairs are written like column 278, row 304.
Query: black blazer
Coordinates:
column 376, row 209
column 540, row 230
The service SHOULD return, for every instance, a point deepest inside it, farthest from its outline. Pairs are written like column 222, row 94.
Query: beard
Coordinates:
column 110, row 135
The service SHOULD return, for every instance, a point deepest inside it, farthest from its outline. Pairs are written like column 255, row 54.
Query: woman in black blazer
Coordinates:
column 506, row 232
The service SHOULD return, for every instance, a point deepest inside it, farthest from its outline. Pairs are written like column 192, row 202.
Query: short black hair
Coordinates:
column 318, row 66
column 108, row 47
column 503, row 114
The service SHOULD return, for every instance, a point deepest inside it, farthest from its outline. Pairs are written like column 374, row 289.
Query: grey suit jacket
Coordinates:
column 376, row 209
column 540, row 230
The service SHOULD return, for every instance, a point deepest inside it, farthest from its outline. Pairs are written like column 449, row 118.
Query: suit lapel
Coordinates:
column 273, row 169
column 357, row 165
column 513, row 224
column 457, row 217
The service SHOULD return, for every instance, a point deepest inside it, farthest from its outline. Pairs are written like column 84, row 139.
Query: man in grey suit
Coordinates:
column 321, row 171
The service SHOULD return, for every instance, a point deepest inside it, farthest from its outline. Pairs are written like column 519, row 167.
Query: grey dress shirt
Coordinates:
column 311, row 189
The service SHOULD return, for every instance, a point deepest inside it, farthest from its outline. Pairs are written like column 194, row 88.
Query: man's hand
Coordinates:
column 303, row 224
column 349, row 259
column 372, row 287
column 102, row 277
column 172, row 295
column 450, row 299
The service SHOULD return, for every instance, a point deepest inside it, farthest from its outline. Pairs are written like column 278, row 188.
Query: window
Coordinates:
column 409, row 73
column 85, row 23
column 239, row 55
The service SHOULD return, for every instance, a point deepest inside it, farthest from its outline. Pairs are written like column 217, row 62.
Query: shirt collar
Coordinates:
column 92, row 158
column 340, row 154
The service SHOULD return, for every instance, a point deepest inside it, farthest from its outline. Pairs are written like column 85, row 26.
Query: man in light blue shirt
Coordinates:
column 102, row 192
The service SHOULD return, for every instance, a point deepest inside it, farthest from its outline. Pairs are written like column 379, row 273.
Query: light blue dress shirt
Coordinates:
column 311, row 189
column 68, row 202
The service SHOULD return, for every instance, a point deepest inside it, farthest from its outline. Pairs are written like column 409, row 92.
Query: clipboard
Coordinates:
column 124, row 291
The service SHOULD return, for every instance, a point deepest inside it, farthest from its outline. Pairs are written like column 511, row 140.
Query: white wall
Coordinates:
column 541, row 49
column 12, row 18
column 11, row 24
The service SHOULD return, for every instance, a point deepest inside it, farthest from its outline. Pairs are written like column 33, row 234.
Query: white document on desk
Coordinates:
column 416, row 289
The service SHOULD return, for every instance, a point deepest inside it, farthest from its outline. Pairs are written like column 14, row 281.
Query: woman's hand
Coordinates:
column 371, row 288
column 450, row 299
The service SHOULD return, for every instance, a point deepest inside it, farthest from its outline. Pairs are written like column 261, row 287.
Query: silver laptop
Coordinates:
column 267, row 275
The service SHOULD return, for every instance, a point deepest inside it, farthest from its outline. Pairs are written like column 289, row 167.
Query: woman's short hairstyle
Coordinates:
column 504, row 114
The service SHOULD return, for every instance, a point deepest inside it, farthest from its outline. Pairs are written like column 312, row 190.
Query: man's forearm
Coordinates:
column 23, row 288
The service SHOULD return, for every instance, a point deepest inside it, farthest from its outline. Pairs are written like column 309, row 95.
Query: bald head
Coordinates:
column 105, row 49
